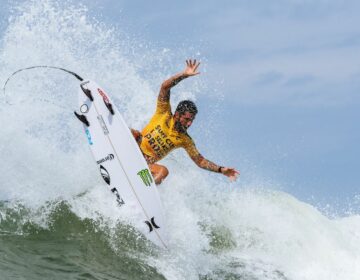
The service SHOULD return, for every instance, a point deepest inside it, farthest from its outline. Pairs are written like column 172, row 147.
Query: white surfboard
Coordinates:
column 120, row 161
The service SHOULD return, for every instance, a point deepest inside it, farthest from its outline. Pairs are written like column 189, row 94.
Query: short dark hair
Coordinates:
column 186, row 106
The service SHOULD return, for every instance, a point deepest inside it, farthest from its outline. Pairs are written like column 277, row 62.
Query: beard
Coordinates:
column 179, row 127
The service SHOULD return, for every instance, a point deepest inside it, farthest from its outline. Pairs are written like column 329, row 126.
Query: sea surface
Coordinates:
column 59, row 221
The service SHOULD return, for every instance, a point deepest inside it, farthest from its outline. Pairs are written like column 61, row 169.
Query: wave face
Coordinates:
column 57, row 221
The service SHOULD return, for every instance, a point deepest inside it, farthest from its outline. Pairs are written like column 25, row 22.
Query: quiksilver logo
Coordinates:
column 108, row 157
column 105, row 174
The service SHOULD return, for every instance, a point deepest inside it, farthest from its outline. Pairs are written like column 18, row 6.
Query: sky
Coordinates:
column 287, row 83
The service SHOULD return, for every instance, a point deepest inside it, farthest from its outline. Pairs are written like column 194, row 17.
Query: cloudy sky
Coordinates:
column 288, row 76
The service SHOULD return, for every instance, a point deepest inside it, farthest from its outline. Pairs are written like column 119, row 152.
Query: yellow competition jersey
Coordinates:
column 160, row 136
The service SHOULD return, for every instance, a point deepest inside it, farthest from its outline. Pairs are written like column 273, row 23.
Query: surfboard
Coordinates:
column 120, row 161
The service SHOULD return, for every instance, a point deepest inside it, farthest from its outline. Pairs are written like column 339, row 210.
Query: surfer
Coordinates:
column 167, row 131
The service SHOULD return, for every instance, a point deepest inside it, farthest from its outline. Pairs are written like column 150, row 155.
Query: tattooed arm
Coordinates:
column 190, row 70
column 208, row 165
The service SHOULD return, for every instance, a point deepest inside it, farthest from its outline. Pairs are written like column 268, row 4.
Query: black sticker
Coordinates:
column 120, row 201
column 105, row 174
column 152, row 224
column 108, row 157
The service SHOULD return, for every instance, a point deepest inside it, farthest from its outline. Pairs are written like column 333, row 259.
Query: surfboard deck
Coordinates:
column 120, row 161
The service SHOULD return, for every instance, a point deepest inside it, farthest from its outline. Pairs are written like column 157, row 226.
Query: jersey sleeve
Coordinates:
column 163, row 107
column 190, row 148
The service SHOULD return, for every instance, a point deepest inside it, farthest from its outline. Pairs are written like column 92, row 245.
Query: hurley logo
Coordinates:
column 145, row 177
column 152, row 224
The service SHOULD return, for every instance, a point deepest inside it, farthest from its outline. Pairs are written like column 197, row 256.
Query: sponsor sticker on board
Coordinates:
column 108, row 157
column 103, row 125
column 145, row 177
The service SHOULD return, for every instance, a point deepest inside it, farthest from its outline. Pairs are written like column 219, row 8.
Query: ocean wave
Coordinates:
column 58, row 221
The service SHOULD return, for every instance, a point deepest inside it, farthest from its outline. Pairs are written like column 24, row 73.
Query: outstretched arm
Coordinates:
column 208, row 165
column 190, row 70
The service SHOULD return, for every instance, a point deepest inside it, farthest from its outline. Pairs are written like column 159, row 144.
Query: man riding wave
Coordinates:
column 167, row 131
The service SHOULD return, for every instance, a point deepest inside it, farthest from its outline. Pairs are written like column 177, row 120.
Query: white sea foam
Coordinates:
column 215, row 228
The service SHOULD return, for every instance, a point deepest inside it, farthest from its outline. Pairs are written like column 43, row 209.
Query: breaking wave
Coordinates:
column 58, row 221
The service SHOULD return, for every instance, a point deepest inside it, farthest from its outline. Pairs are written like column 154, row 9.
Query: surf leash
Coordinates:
column 38, row 66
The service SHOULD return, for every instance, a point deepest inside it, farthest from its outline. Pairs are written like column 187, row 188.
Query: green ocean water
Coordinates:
column 60, row 245
column 70, row 248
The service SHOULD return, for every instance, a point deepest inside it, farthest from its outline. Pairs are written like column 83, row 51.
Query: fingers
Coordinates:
column 231, row 173
column 233, row 178
column 192, row 64
column 189, row 63
column 196, row 66
column 234, row 170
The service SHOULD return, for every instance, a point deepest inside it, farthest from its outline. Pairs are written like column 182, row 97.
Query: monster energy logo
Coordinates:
column 145, row 177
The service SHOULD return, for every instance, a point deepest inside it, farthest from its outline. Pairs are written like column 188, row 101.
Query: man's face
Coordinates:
column 183, row 121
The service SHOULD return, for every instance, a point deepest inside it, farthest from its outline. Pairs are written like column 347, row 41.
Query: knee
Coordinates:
column 160, row 174
column 164, row 172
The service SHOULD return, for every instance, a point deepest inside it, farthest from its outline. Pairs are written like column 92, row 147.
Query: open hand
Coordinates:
column 230, row 172
column 191, row 68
